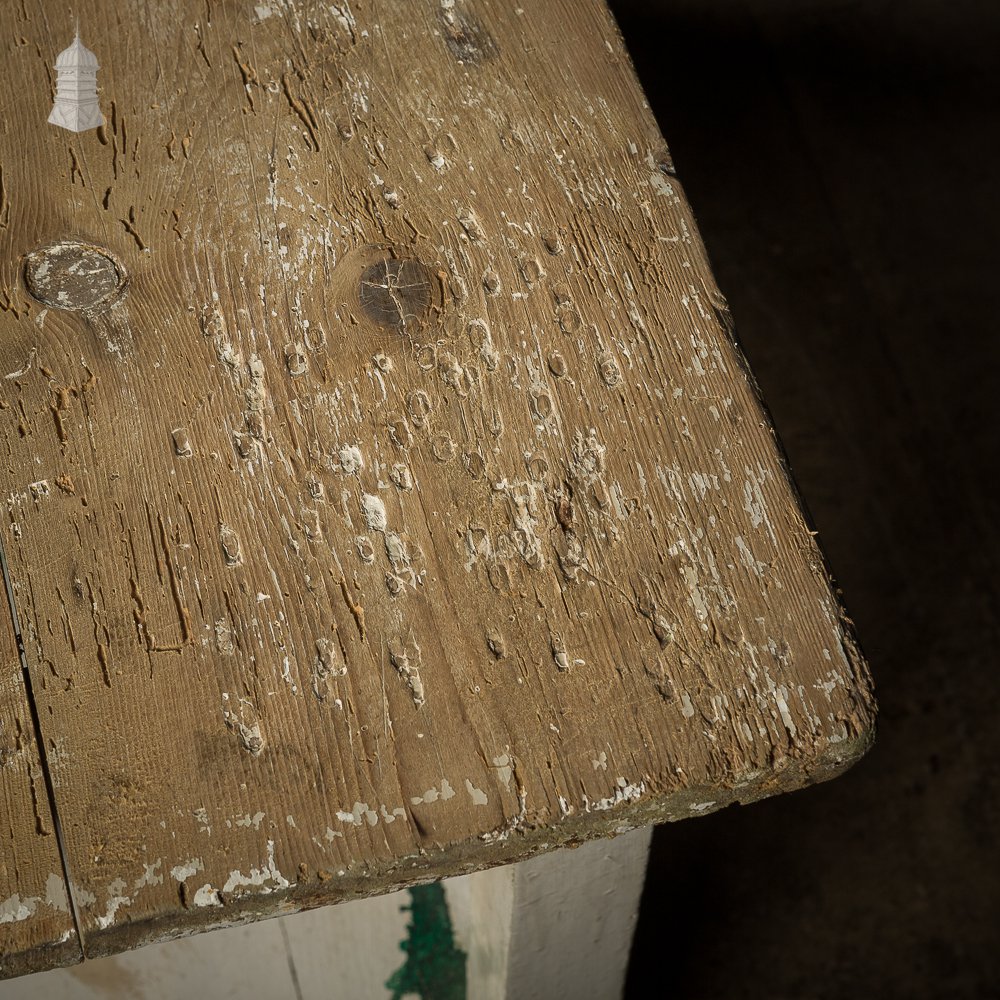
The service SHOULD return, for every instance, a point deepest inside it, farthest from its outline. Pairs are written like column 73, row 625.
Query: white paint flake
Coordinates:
column 624, row 791
column 360, row 812
column 186, row 869
column 433, row 794
column 149, row 876
column 477, row 795
column 13, row 908
column 374, row 512
column 687, row 708
column 267, row 878
column 116, row 900
column 504, row 765
column 351, row 459
column 207, row 895
column 55, row 893
column 248, row 820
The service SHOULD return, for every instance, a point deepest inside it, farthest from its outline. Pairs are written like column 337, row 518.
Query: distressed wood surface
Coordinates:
column 36, row 926
column 386, row 497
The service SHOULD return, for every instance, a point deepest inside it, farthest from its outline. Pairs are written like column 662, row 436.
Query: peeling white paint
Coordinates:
column 780, row 698
column 433, row 794
column 186, row 869
column 503, row 764
column 55, row 893
column 477, row 795
column 624, row 791
column 13, row 908
column 207, row 895
column 361, row 811
column 258, row 877
column 116, row 900
column 351, row 459
column 374, row 512
column 687, row 708
column 149, row 876
column 248, row 820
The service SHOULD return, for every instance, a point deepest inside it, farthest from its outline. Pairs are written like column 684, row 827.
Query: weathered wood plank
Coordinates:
column 410, row 509
column 36, row 926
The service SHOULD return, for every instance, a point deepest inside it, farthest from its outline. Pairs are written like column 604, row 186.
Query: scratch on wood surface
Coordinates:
column 302, row 110
column 60, row 404
column 405, row 656
column 201, row 45
column 74, row 168
column 249, row 75
column 183, row 614
column 357, row 611
column 9, row 305
column 4, row 202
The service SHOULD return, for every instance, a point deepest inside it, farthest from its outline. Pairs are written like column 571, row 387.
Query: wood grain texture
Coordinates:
column 393, row 502
column 36, row 926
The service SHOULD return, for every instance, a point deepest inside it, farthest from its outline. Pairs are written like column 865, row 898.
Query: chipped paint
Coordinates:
column 187, row 869
column 477, row 795
column 434, row 793
column 624, row 791
column 266, row 878
column 206, row 895
column 14, row 908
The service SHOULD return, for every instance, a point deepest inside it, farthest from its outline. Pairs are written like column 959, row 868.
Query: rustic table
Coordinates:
column 385, row 495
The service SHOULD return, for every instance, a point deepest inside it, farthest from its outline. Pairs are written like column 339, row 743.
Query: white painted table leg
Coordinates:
column 573, row 918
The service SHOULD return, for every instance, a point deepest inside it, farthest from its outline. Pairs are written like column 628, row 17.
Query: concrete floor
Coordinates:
column 841, row 158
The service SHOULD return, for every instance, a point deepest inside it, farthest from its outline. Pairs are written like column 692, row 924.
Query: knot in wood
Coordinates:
column 74, row 276
column 395, row 293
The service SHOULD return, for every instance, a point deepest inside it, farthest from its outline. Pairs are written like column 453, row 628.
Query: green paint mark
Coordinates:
column 434, row 968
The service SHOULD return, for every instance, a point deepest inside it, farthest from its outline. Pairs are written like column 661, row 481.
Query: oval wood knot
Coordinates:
column 75, row 276
column 395, row 292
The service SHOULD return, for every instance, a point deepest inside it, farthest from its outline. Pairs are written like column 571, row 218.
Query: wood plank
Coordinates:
column 36, row 925
column 409, row 510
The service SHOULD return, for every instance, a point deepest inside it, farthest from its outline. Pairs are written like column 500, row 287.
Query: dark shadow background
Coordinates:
column 843, row 160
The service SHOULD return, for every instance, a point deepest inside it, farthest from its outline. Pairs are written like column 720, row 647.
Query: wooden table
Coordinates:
column 385, row 495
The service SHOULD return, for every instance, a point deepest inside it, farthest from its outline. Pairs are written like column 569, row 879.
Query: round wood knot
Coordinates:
column 75, row 276
column 395, row 293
